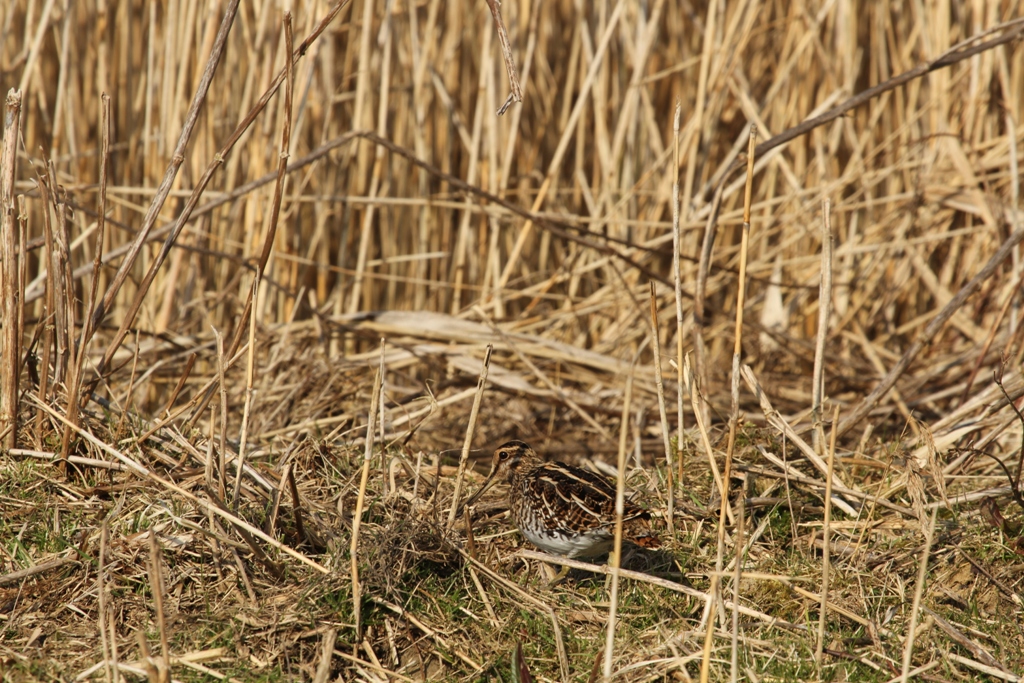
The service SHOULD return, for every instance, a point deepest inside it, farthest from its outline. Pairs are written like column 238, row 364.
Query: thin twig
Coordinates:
column 470, row 429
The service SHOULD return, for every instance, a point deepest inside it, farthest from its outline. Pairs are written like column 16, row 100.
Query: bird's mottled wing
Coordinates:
column 579, row 500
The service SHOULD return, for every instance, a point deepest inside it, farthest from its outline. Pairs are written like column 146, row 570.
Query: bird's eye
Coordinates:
column 503, row 455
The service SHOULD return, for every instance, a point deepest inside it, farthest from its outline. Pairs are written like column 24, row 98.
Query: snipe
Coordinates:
column 563, row 509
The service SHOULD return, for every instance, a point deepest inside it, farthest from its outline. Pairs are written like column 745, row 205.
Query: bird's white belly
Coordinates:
column 590, row 544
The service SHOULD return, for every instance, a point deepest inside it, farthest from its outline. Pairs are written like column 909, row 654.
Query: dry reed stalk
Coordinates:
column 826, row 543
column 824, row 311
column 677, row 244
column 696, row 129
column 48, row 314
column 734, row 414
column 357, row 516
column 659, row 385
column 470, row 429
column 62, row 284
column 10, row 285
column 922, row 572
column 268, row 245
column 378, row 160
column 222, row 448
column 127, row 401
column 615, row 559
column 156, row 585
column 275, row 506
column 189, row 363
column 250, row 370
column 208, row 468
column 1014, row 168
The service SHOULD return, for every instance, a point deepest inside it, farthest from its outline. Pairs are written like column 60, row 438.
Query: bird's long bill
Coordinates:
column 487, row 484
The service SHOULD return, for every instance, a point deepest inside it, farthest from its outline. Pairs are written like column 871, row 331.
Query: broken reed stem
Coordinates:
column 506, row 54
column 677, row 271
column 824, row 311
column 156, row 583
column 670, row 475
column 48, row 314
column 615, row 559
column 10, row 287
column 826, row 549
column 922, row 571
column 64, row 305
column 361, row 498
column 470, row 429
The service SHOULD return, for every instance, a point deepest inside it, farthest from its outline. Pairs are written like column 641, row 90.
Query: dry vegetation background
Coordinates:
column 537, row 232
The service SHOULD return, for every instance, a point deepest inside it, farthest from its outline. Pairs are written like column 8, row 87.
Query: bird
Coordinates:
column 563, row 509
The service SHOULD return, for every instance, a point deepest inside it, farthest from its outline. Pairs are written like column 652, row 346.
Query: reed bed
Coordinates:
column 253, row 262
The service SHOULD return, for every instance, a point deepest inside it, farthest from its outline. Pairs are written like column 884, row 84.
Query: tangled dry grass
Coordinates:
column 212, row 468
